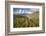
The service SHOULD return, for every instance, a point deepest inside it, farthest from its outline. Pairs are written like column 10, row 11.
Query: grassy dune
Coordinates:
column 24, row 21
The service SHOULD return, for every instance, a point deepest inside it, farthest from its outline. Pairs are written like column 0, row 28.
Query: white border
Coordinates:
column 29, row 28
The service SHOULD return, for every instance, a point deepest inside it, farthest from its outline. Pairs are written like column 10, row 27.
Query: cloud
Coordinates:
column 24, row 10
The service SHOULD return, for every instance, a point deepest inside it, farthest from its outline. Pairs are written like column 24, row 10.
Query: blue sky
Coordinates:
column 23, row 10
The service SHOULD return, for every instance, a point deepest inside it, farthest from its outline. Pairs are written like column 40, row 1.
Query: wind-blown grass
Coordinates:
column 24, row 21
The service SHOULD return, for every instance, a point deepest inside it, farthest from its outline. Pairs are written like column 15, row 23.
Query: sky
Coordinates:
column 23, row 10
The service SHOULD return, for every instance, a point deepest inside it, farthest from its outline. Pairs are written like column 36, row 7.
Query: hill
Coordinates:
column 30, row 20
